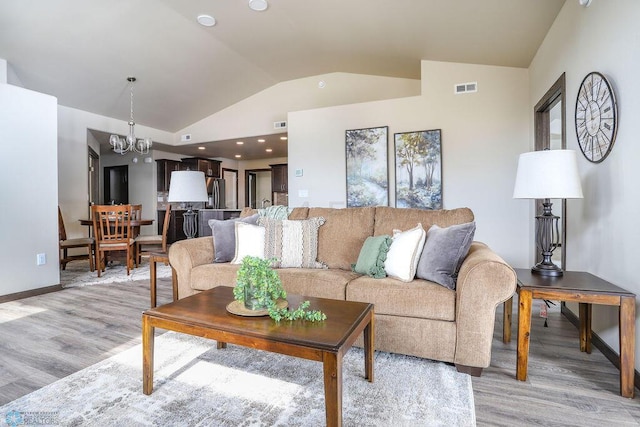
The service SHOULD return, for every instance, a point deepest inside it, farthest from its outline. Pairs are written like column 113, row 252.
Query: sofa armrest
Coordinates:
column 484, row 281
column 184, row 255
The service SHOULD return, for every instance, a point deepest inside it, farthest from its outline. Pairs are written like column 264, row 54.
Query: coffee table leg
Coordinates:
column 524, row 330
column 332, row 364
column 627, row 345
column 147, row 355
column 369, row 348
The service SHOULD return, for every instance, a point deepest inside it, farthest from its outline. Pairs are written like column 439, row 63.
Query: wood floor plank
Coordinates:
column 50, row 336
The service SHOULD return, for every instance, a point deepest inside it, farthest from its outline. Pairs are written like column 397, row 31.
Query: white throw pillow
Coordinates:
column 404, row 253
column 249, row 241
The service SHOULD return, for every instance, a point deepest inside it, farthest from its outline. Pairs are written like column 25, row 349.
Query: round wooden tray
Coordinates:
column 238, row 308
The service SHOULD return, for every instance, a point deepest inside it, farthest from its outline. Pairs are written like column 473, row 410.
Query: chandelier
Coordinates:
column 130, row 142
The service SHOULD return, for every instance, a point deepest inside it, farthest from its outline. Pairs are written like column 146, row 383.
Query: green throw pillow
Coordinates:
column 372, row 256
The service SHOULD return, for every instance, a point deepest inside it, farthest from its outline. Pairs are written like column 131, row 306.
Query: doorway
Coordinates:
column 94, row 179
column 550, row 134
column 258, row 188
column 116, row 185
column 250, row 191
column 230, row 177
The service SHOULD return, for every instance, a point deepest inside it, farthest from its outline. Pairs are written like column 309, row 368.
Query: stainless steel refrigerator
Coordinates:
column 216, row 191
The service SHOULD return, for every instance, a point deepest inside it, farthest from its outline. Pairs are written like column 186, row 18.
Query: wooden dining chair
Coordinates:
column 136, row 215
column 66, row 244
column 157, row 244
column 112, row 229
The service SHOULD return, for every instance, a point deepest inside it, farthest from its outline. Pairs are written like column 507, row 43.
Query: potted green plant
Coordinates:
column 259, row 287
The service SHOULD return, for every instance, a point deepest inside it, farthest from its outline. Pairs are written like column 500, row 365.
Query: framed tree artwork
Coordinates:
column 419, row 169
column 367, row 167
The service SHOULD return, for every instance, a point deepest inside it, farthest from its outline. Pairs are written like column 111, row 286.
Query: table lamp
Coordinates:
column 547, row 174
column 188, row 187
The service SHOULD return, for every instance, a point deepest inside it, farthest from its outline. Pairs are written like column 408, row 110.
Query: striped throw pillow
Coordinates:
column 294, row 244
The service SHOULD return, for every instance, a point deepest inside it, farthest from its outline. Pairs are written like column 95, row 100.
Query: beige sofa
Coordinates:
column 419, row 318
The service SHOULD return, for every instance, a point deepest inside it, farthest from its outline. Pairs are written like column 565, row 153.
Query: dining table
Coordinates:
column 135, row 224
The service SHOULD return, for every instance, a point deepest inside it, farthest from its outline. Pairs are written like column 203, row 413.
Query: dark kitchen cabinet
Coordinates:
column 165, row 167
column 208, row 166
column 175, row 231
column 280, row 178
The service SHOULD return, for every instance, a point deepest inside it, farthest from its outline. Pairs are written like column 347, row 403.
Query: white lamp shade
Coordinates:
column 548, row 174
column 187, row 186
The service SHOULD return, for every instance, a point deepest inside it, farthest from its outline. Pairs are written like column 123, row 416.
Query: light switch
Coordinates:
column 299, row 172
column 303, row 193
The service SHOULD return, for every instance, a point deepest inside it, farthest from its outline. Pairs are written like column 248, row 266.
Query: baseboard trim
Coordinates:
column 599, row 343
column 30, row 293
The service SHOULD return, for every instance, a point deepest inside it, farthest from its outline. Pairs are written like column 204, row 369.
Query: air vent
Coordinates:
column 465, row 88
column 279, row 125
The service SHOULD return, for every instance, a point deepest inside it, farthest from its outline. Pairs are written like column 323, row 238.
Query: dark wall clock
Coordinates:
column 596, row 117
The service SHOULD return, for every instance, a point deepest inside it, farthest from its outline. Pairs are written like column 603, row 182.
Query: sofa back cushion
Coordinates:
column 387, row 219
column 343, row 234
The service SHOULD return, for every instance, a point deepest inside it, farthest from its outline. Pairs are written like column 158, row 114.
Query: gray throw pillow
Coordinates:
column 224, row 236
column 443, row 253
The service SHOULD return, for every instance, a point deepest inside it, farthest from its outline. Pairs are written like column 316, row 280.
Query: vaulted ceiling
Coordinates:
column 82, row 51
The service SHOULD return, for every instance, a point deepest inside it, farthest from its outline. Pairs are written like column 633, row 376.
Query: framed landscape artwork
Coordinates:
column 367, row 167
column 418, row 169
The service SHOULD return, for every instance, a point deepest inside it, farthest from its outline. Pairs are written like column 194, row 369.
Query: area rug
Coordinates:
column 77, row 274
column 196, row 384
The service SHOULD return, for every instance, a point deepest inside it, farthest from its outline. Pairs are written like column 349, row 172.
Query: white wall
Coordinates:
column 255, row 115
column 602, row 231
column 29, row 191
column 482, row 136
column 74, row 128
column 3, row 71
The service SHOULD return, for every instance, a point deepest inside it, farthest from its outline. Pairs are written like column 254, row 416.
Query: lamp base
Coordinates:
column 546, row 269
column 190, row 225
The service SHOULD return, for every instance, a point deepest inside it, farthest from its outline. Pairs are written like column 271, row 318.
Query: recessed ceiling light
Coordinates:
column 268, row 150
column 201, row 148
column 206, row 20
column 261, row 140
column 321, row 84
column 258, row 5
column 239, row 142
column 238, row 156
column 284, row 138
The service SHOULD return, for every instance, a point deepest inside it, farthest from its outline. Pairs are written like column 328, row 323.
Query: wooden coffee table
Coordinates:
column 205, row 315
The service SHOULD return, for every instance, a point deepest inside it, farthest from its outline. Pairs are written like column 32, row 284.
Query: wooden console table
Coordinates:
column 586, row 289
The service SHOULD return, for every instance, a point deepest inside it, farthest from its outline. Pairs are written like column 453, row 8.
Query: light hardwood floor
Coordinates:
column 48, row 337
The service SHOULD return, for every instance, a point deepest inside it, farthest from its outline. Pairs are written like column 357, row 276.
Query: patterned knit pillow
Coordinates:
column 294, row 244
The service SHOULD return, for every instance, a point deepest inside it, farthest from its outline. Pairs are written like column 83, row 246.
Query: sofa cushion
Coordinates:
column 420, row 298
column 294, row 244
column 299, row 213
column 209, row 276
column 372, row 256
column 343, row 234
column 249, row 241
column 387, row 219
column 224, row 236
column 443, row 253
column 404, row 253
column 316, row 283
